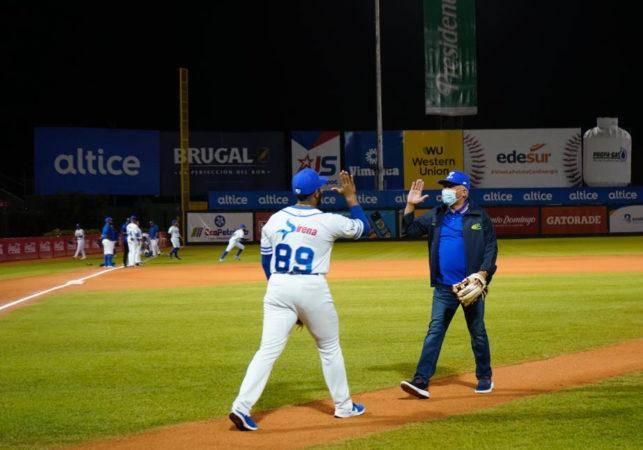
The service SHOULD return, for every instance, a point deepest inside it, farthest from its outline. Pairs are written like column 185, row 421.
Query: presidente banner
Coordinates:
column 628, row 219
column 360, row 153
column 573, row 220
column 524, row 158
column 217, row 227
column 517, row 221
column 224, row 161
column 450, row 57
column 96, row 161
column 319, row 150
column 431, row 155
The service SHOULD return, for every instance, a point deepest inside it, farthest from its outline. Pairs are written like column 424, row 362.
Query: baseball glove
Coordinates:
column 470, row 289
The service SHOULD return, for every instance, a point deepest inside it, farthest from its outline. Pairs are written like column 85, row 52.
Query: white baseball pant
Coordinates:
column 176, row 242
column 154, row 246
column 108, row 246
column 234, row 244
column 308, row 298
column 80, row 248
column 134, row 255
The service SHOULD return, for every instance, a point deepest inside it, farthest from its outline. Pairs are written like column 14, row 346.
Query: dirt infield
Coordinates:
column 313, row 423
column 176, row 275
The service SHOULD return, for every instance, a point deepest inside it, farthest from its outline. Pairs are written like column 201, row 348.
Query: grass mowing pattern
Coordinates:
column 84, row 365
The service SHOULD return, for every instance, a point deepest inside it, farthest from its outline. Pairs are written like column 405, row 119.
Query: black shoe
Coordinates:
column 416, row 388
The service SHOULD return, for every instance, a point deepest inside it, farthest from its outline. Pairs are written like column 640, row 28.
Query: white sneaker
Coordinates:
column 358, row 410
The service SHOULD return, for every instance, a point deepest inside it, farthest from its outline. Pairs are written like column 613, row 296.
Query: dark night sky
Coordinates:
column 286, row 65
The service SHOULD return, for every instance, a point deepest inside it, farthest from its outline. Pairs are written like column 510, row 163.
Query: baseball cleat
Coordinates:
column 220, row 259
column 242, row 421
column 358, row 410
column 485, row 386
column 416, row 388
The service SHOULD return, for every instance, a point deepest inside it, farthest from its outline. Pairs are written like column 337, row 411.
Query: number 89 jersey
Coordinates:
column 300, row 239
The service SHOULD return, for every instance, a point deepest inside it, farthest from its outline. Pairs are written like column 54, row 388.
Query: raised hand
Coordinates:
column 415, row 196
column 347, row 188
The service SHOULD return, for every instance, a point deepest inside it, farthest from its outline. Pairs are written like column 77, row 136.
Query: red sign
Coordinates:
column 574, row 219
column 13, row 247
column 29, row 248
column 45, row 248
column 261, row 218
column 514, row 221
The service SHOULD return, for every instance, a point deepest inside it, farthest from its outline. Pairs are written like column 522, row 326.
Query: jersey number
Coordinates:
column 303, row 259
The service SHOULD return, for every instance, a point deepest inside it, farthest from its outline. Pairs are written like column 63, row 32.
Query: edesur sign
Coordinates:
column 96, row 161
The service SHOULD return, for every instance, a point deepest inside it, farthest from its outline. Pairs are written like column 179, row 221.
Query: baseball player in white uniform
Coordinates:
column 235, row 241
column 296, row 244
column 79, row 234
column 175, row 239
column 134, row 238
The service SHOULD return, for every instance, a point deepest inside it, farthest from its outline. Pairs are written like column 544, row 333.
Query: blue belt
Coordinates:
column 298, row 273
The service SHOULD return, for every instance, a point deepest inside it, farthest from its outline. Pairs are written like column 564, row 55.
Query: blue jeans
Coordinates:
column 445, row 304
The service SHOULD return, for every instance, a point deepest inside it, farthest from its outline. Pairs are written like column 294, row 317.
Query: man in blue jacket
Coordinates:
column 461, row 242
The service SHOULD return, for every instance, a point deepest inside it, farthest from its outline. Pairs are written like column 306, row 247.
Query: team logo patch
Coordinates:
column 476, row 226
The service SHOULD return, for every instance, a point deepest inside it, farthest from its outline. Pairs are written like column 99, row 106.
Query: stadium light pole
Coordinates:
column 378, row 95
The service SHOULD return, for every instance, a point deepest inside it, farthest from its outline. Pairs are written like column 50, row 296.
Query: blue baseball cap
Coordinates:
column 307, row 181
column 456, row 178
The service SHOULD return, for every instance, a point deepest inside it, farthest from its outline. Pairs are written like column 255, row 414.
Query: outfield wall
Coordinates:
column 26, row 248
column 514, row 212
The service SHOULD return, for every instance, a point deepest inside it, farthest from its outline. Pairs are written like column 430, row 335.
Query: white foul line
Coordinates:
column 69, row 283
column 55, row 288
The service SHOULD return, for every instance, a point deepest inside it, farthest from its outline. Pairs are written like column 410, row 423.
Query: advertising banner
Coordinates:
column 217, row 227
column 524, row 158
column 30, row 248
column 225, row 161
column 628, row 219
column 13, row 249
column 515, row 221
column 59, row 246
column 360, row 153
column 573, row 219
column 96, row 161
column 450, row 57
column 261, row 218
column 319, row 150
column 431, row 155
column 383, row 224
column 3, row 251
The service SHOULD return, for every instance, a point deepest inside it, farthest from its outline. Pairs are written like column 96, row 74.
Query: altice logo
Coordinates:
column 88, row 162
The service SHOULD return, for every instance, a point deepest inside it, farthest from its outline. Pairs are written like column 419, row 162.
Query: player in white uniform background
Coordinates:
column 79, row 234
column 175, row 239
column 296, row 245
column 235, row 241
column 134, row 238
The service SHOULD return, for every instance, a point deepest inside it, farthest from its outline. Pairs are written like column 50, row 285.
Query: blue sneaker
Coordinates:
column 485, row 386
column 358, row 410
column 243, row 422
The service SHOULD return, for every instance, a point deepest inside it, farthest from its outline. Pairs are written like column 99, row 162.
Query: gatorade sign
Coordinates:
column 574, row 219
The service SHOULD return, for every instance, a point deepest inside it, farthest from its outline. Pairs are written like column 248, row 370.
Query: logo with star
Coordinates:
column 306, row 161
column 219, row 221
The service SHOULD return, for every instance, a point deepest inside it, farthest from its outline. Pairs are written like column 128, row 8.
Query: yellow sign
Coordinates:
column 431, row 155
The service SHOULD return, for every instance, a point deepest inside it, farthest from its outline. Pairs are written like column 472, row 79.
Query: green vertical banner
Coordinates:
column 450, row 57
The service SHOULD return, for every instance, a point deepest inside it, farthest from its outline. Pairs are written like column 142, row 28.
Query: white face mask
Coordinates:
column 449, row 197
